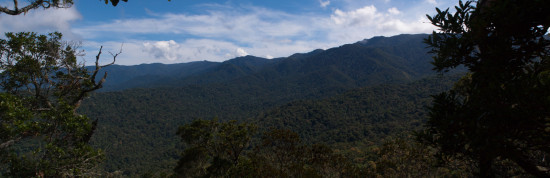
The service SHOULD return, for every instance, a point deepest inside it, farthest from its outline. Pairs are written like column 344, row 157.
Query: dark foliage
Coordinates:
column 363, row 115
column 500, row 110
column 42, row 85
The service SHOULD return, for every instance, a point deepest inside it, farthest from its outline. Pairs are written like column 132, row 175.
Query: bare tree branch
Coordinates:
column 99, row 84
column 8, row 143
column 44, row 4
column 33, row 5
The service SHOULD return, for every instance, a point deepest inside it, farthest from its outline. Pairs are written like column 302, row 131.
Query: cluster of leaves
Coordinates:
column 42, row 85
column 217, row 149
column 404, row 157
column 47, row 143
column 43, row 66
column 212, row 147
column 281, row 153
column 501, row 110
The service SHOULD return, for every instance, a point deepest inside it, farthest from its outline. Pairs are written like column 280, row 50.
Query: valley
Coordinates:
column 353, row 94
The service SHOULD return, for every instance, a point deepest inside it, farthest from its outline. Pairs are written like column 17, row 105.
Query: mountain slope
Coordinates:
column 371, row 113
column 400, row 58
column 124, row 77
column 137, row 126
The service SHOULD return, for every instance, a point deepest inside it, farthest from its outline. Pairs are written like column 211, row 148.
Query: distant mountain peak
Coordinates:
column 363, row 42
column 309, row 54
column 392, row 40
column 250, row 60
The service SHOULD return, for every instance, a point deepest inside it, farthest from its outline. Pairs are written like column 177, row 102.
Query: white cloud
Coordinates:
column 163, row 49
column 246, row 27
column 41, row 21
column 431, row 2
column 394, row 11
column 360, row 16
column 349, row 26
column 189, row 50
column 137, row 52
column 241, row 52
column 324, row 4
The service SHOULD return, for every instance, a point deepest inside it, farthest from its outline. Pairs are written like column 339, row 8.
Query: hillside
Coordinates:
column 367, row 114
column 137, row 125
column 401, row 58
column 125, row 77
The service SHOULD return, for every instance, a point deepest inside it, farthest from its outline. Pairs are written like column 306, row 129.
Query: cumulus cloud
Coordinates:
column 368, row 20
column 360, row 16
column 324, row 4
column 394, row 11
column 163, row 49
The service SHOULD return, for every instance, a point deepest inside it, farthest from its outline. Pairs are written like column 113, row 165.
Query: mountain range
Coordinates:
column 378, row 60
column 376, row 87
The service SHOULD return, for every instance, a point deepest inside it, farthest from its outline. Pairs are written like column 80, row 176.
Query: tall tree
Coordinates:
column 42, row 85
column 501, row 109
column 46, row 4
column 281, row 153
column 212, row 147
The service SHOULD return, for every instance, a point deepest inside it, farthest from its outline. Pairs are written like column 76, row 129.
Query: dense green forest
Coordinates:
column 137, row 126
column 143, row 131
column 365, row 115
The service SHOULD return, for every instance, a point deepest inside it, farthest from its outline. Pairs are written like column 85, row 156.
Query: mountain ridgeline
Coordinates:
column 377, row 60
column 363, row 91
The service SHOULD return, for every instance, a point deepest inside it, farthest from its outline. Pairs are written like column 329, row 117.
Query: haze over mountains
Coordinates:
column 371, row 88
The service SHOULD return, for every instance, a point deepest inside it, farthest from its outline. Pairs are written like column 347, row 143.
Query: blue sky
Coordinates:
column 158, row 31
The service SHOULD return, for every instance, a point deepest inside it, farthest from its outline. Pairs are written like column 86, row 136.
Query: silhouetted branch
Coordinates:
column 33, row 5
column 99, row 84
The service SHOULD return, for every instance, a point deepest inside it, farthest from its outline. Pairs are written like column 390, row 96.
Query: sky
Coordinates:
column 179, row 31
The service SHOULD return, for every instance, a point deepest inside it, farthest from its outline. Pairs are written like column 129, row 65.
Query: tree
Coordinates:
column 281, row 153
column 404, row 157
column 46, row 4
column 212, row 147
column 42, row 85
column 501, row 109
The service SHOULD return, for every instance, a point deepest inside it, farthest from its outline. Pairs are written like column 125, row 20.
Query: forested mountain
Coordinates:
column 124, row 77
column 367, row 114
column 137, row 126
column 377, row 60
